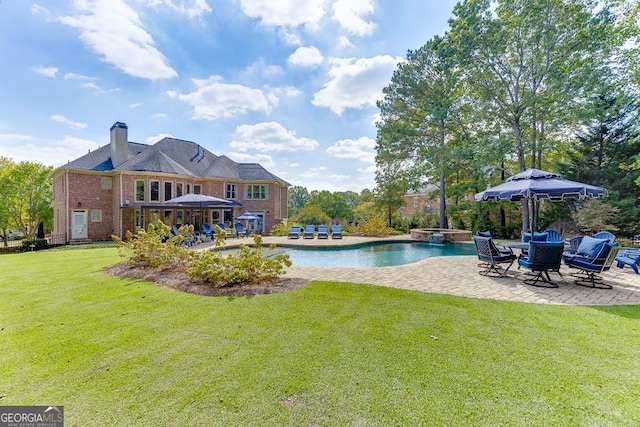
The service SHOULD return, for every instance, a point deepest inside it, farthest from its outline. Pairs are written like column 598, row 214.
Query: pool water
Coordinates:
column 372, row 255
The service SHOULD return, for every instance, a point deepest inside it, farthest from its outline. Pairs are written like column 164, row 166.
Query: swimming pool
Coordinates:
column 371, row 255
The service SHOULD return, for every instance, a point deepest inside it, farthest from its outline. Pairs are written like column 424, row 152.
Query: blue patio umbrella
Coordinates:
column 535, row 184
column 248, row 216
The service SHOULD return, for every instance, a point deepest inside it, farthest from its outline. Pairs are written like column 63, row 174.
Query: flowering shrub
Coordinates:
column 157, row 247
column 154, row 247
column 247, row 265
column 372, row 227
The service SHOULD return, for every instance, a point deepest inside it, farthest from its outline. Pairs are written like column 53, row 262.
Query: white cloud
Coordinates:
column 46, row 71
column 349, row 14
column 135, row 105
column 312, row 172
column 294, row 165
column 265, row 160
column 75, row 76
column 355, row 83
column 155, row 138
column 192, row 9
column 361, row 149
column 343, row 41
column 306, row 57
column 269, row 137
column 214, row 100
column 338, row 177
column 62, row 119
column 113, row 30
column 285, row 13
column 37, row 9
column 20, row 147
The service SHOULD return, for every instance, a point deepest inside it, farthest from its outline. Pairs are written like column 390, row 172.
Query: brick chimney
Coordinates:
column 119, row 144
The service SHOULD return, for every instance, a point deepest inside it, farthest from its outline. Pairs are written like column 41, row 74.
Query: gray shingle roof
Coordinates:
column 100, row 159
column 174, row 156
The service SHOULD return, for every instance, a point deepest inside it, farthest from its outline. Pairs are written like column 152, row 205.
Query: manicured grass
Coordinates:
column 127, row 352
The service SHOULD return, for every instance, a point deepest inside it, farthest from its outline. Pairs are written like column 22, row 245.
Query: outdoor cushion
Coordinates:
column 591, row 247
column 484, row 233
column 539, row 237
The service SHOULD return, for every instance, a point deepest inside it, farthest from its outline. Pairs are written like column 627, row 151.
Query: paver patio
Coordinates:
column 458, row 275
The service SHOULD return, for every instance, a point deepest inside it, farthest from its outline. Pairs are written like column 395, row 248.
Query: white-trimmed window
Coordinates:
column 179, row 187
column 231, row 191
column 154, row 191
column 168, row 190
column 139, row 190
column 197, row 189
column 96, row 215
column 255, row 192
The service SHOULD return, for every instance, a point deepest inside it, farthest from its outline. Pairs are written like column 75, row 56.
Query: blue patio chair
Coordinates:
column 240, row 230
column 206, row 229
column 543, row 257
column 491, row 258
column 295, row 231
column 309, row 231
column 629, row 257
column 225, row 229
column 605, row 235
column 596, row 261
column 323, row 232
column 336, row 231
column 501, row 249
column 553, row 235
column 574, row 244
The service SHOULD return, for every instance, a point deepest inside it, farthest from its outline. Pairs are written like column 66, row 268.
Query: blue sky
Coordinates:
column 290, row 84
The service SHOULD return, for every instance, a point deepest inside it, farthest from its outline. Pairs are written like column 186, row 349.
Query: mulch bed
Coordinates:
column 178, row 280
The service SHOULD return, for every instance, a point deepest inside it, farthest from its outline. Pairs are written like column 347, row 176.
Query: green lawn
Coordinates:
column 128, row 352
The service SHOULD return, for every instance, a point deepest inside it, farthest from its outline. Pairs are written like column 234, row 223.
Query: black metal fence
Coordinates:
column 33, row 244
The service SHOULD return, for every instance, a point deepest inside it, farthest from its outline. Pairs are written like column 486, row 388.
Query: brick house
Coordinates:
column 424, row 200
column 125, row 185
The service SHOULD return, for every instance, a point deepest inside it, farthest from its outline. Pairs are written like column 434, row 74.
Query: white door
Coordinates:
column 79, row 227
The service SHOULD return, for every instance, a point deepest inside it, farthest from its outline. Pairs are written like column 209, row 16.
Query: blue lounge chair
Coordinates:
column 553, row 235
column 225, row 229
column 605, row 235
column 309, row 231
column 323, row 232
column 543, row 257
column 295, row 231
column 491, row 258
column 240, row 230
column 206, row 229
column 336, row 231
column 631, row 258
column 594, row 256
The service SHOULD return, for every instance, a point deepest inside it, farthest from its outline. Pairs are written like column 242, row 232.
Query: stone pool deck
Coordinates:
column 459, row 276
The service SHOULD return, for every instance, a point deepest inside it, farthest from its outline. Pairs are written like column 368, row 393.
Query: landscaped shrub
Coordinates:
column 373, row 227
column 156, row 246
column 280, row 230
column 247, row 265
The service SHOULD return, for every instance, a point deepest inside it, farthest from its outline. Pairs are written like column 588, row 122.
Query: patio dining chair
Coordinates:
column 543, row 257
column 591, row 266
column 491, row 258
column 605, row 235
column 553, row 235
